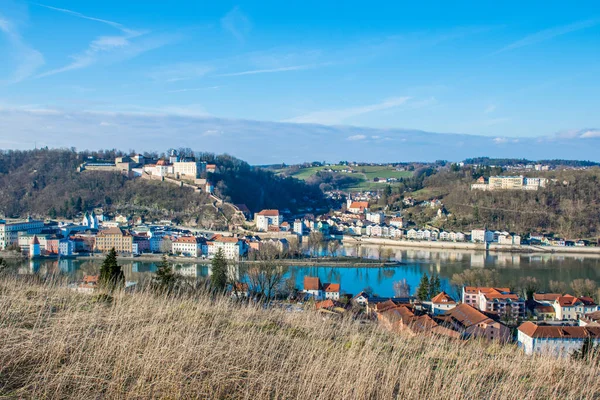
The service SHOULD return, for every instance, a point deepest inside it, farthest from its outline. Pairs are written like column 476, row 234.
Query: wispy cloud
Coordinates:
column 179, row 72
column 117, row 48
column 27, row 59
column 490, row 109
column 548, row 34
column 237, row 23
column 355, row 138
column 194, row 89
column 332, row 117
column 271, row 70
column 104, row 21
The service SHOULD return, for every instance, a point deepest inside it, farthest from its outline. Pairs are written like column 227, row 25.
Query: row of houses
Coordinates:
column 442, row 316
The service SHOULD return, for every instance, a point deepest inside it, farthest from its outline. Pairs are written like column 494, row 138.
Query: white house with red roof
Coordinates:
column 567, row 307
column 358, row 207
column 267, row 218
column 314, row 288
column 442, row 303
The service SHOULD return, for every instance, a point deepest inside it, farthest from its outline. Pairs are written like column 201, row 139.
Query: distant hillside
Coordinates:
column 569, row 206
column 486, row 161
column 45, row 183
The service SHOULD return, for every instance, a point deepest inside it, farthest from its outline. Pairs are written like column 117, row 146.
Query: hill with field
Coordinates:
column 61, row 344
column 348, row 177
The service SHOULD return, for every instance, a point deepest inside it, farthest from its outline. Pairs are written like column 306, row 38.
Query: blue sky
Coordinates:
column 327, row 79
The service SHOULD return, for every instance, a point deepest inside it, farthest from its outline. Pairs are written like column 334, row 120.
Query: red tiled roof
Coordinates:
column 312, row 283
column 567, row 332
column 359, row 204
column 187, row 239
column 332, row 287
column 466, row 315
column 546, row 296
column 269, row 213
column 443, row 298
column 325, row 304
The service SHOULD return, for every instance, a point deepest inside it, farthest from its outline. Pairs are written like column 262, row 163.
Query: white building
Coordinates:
column 332, row 291
column 398, row 222
column 9, row 231
column 191, row 169
column 298, row 227
column 188, row 246
column 482, row 236
column 66, row 247
column 555, row 340
column 376, row 217
column 267, row 218
column 510, row 240
column 442, row 303
column 233, row 248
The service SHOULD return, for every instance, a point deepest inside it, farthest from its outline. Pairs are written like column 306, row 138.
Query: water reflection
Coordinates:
column 414, row 262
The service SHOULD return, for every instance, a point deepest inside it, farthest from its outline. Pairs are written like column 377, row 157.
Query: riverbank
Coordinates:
column 339, row 262
column 492, row 247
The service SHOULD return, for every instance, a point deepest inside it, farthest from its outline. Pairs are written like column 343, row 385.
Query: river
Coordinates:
column 413, row 263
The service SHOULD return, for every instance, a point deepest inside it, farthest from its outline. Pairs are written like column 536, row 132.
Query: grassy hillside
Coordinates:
column 59, row 344
column 362, row 179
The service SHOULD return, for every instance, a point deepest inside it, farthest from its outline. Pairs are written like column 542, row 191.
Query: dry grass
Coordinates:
column 58, row 344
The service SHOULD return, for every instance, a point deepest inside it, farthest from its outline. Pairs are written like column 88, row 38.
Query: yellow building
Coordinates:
column 114, row 237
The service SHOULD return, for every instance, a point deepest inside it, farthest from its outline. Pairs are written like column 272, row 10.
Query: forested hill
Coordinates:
column 45, row 183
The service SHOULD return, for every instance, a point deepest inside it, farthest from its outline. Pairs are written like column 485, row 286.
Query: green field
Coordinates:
column 365, row 173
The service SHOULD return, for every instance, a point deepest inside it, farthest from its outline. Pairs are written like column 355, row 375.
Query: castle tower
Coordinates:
column 34, row 247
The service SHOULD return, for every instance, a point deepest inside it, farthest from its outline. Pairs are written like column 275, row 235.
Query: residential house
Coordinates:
column 567, row 307
column 400, row 318
column 314, row 288
column 298, row 227
column 510, row 240
column 375, row 217
column 497, row 300
column 442, row 303
column 332, row 291
column 267, row 218
column 482, row 236
column 555, row 340
column 471, row 322
column 398, row 222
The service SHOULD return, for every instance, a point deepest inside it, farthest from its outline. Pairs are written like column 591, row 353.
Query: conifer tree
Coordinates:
column 218, row 279
column 165, row 277
column 111, row 274
column 435, row 286
column 423, row 289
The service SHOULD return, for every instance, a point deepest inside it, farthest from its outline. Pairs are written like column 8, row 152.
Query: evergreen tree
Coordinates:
column 218, row 279
column 165, row 277
column 423, row 289
column 111, row 274
column 435, row 286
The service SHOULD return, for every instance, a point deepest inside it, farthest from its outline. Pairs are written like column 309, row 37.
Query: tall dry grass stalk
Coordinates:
column 55, row 343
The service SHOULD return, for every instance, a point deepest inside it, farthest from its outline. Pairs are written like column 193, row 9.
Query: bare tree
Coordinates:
column 334, row 246
column 293, row 247
column 402, row 288
column 315, row 241
column 266, row 275
column 584, row 287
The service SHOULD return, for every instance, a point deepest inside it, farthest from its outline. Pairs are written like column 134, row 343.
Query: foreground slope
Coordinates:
column 56, row 344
